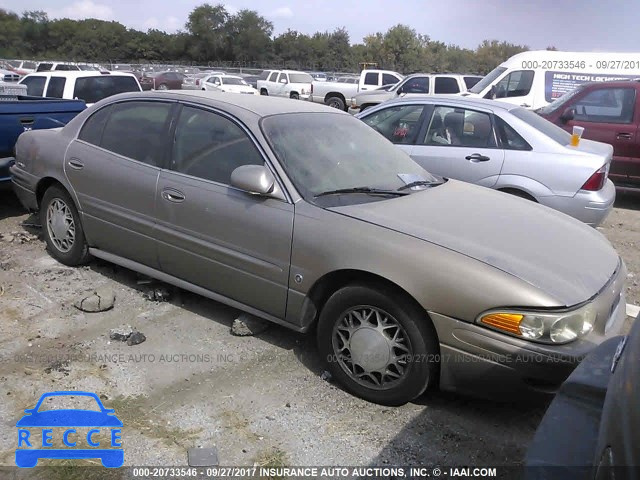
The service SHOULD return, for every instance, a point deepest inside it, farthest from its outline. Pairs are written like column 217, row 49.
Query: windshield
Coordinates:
column 300, row 78
column 487, row 80
column 558, row 102
column 547, row 128
column 323, row 152
column 233, row 81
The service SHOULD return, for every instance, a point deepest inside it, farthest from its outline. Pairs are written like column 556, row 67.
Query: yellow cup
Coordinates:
column 576, row 135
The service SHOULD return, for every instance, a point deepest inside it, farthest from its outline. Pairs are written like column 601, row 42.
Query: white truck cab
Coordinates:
column 536, row 78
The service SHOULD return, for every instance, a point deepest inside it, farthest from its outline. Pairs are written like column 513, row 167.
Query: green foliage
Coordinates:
column 212, row 34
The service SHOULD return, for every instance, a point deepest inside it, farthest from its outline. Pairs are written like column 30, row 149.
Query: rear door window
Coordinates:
column 459, row 127
column 35, row 85
column 446, row 85
column 55, row 89
column 273, row 76
column 138, row 130
column 371, row 78
column 94, row 89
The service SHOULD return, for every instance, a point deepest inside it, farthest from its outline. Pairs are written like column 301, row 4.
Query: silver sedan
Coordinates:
column 501, row 146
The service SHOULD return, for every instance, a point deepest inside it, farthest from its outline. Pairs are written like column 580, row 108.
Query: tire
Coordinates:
column 263, row 91
column 294, row 96
column 411, row 329
column 163, row 87
column 336, row 102
column 57, row 212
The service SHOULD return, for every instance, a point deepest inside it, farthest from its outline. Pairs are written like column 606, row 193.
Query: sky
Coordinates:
column 568, row 25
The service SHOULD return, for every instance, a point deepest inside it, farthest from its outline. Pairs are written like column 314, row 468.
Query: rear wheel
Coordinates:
column 377, row 344
column 62, row 228
column 336, row 102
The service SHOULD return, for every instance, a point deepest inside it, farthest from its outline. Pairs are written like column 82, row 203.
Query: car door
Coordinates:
column 213, row 235
column 282, row 85
column 113, row 167
column 371, row 81
column 460, row 143
column 608, row 115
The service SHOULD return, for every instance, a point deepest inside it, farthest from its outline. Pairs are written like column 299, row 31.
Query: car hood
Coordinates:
column 557, row 254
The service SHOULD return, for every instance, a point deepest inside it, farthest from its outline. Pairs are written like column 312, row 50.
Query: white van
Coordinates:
column 534, row 79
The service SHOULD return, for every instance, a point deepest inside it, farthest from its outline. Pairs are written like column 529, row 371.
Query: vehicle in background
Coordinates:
column 609, row 112
column 22, row 114
column 227, row 83
column 251, row 79
column 9, row 76
column 22, row 67
column 348, row 79
column 57, row 66
column 338, row 94
column 590, row 430
column 386, row 264
column 286, row 83
column 193, row 82
column 535, row 78
column 125, row 67
column 417, row 83
column 162, row 81
column 500, row 146
column 88, row 86
column 318, row 76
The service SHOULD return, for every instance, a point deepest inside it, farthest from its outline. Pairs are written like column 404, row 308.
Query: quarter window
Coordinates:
column 446, row 85
column 509, row 138
column 460, row 127
column 55, row 89
column 516, row 84
column 397, row 124
column 606, row 105
column 94, row 126
column 138, row 130
column 35, row 85
column 210, row 146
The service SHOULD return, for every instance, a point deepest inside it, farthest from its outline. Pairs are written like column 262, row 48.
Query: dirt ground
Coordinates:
column 257, row 399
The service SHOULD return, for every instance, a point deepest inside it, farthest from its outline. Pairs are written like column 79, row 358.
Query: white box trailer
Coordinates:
column 536, row 78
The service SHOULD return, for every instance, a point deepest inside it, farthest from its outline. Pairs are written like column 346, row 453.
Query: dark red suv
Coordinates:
column 609, row 113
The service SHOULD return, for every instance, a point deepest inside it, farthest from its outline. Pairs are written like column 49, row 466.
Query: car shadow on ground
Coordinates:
column 628, row 201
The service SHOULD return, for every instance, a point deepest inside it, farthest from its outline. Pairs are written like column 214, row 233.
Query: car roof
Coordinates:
column 78, row 73
column 455, row 99
column 257, row 104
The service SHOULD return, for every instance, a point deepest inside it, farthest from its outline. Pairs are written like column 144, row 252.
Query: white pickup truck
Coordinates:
column 338, row 94
column 286, row 83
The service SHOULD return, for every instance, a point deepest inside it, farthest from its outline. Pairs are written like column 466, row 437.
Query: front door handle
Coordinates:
column 525, row 105
column 623, row 135
column 76, row 164
column 476, row 157
column 174, row 196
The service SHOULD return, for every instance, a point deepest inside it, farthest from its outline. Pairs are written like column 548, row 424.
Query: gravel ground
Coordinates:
column 258, row 399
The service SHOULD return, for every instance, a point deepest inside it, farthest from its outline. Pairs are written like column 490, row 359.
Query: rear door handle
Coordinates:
column 623, row 135
column 76, row 164
column 174, row 196
column 476, row 157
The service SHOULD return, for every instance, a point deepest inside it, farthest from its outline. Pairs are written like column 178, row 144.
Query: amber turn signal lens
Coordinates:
column 509, row 322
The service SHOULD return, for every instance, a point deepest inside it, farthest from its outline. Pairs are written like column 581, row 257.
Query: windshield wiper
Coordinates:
column 419, row 183
column 367, row 190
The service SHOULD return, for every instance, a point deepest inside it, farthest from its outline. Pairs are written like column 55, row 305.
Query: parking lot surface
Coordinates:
column 259, row 399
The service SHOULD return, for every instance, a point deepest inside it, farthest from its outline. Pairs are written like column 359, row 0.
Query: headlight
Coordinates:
column 546, row 327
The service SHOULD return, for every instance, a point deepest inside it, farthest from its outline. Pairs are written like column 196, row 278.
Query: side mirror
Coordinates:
column 400, row 90
column 255, row 179
column 568, row 114
column 493, row 93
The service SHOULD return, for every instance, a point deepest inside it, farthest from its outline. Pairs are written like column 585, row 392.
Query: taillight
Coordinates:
column 197, row 81
column 597, row 180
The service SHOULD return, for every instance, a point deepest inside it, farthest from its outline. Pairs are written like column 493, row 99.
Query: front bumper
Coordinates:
column 24, row 186
column 5, row 163
column 476, row 360
column 591, row 208
column 354, row 110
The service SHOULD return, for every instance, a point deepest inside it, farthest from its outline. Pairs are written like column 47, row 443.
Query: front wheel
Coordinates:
column 294, row 96
column 377, row 345
column 62, row 228
column 263, row 91
column 163, row 87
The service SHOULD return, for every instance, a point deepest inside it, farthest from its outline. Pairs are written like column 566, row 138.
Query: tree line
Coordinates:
column 212, row 36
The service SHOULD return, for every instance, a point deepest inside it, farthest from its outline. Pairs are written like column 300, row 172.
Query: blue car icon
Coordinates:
column 105, row 418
